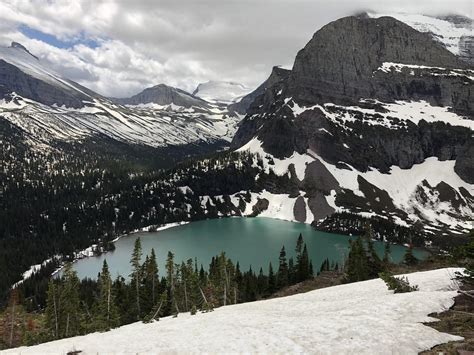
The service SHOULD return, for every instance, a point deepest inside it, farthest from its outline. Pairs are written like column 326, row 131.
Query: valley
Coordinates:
column 366, row 144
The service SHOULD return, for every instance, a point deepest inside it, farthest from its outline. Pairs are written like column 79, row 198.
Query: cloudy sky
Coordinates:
column 118, row 48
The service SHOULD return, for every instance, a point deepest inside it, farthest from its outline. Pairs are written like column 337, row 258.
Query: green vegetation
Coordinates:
column 397, row 284
column 75, row 307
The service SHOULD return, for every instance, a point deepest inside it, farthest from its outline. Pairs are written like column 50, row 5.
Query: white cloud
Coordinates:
column 181, row 43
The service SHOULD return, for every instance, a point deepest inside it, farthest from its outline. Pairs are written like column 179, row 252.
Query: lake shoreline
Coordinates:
column 91, row 252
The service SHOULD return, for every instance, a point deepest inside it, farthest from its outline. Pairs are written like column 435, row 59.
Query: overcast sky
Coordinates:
column 118, row 48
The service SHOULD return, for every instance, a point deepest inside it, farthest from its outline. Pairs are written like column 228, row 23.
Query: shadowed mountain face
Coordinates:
column 375, row 101
column 356, row 67
column 22, row 73
column 341, row 63
column 277, row 75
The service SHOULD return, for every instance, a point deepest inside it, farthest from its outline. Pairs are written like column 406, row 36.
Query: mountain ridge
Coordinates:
column 367, row 96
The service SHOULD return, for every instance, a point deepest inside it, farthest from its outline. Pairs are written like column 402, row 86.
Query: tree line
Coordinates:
column 75, row 307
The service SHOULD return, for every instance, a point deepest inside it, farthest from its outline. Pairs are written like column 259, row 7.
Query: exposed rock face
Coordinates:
column 318, row 179
column 465, row 162
column 339, row 62
column 261, row 205
column 466, row 49
column 13, row 79
column 366, row 99
column 299, row 209
column 344, row 64
column 278, row 75
column 319, row 206
column 163, row 95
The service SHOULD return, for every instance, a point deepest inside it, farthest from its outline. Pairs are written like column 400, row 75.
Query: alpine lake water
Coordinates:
column 252, row 242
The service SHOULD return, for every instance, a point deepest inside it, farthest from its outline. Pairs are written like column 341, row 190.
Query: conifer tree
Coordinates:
column 357, row 265
column 373, row 261
column 282, row 277
column 271, row 280
column 262, row 283
column 70, row 311
column 152, row 278
column 136, row 275
column 292, row 272
column 171, row 281
column 106, row 312
column 386, row 255
column 53, row 308
column 299, row 254
column 305, row 264
column 410, row 259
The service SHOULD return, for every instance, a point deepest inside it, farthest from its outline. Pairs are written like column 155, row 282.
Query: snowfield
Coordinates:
column 361, row 318
column 442, row 29
column 221, row 91
column 400, row 184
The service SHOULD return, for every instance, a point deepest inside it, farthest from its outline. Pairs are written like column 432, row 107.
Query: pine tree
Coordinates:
column 171, row 281
column 305, row 264
column 299, row 254
column 357, row 265
column 136, row 275
column 70, row 311
column 373, row 260
column 151, row 280
column 106, row 312
column 386, row 255
column 262, row 283
column 282, row 276
column 53, row 308
column 410, row 259
column 292, row 272
column 271, row 280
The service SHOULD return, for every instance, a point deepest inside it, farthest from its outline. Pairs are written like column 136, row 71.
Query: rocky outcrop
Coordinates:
column 278, row 75
column 344, row 64
column 341, row 61
column 464, row 166
column 260, row 206
column 319, row 206
column 299, row 209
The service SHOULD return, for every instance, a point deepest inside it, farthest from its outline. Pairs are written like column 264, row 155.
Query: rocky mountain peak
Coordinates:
column 163, row 94
column 22, row 47
column 342, row 57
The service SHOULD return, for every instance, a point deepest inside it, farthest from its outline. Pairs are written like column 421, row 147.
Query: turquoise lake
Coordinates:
column 250, row 241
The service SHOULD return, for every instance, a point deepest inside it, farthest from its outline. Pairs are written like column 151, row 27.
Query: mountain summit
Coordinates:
column 370, row 105
column 221, row 91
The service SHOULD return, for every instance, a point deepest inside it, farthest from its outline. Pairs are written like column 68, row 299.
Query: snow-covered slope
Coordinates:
column 411, row 191
column 150, row 124
column 389, row 136
column 21, row 58
column 448, row 30
column 360, row 318
column 49, row 107
column 221, row 91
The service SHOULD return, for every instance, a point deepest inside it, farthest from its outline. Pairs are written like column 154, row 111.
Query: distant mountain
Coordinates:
column 164, row 95
column 51, row 109
column 221, row 91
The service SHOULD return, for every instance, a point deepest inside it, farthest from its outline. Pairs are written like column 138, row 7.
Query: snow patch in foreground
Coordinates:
column 362, row 318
